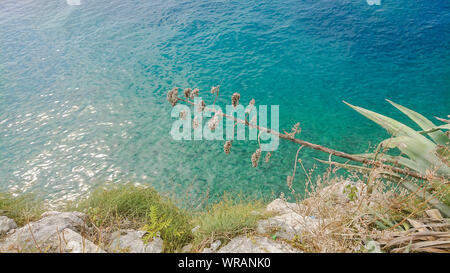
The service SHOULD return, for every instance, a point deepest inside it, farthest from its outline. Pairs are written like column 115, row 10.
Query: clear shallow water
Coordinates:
column 82, row 88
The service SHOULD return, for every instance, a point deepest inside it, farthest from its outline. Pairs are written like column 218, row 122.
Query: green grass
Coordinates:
column 22, row 209
column 143, row 207
column 129, row 206
column 227, row 219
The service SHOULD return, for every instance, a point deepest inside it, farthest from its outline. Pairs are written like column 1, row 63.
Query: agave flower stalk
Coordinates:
column 400, row 132
column 318, row 147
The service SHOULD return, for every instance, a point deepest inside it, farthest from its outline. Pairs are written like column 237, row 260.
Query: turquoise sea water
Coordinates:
column 82, row 88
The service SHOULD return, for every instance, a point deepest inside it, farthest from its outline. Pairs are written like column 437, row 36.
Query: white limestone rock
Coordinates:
column 344, row 191
column 131, row 241
column 55, row 232
column 72, row 242
column 287, row 225
column 6, row 224
column 280, row 206
column 256, row 244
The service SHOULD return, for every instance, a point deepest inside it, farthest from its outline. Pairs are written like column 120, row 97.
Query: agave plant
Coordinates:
column 426, row 152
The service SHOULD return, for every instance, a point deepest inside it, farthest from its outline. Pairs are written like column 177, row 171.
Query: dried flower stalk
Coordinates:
column 321, row 148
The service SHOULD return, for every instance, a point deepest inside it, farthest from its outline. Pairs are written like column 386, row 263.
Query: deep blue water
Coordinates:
column 82, row 88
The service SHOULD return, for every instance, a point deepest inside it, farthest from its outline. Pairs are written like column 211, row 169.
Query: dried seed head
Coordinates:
column 227, row 146
column 429, row 175
column 183, row 115
column 195, row 123
column 235, row 99
column 194, row 93
column 255, row 157
column 201, row 106
column 268, row 155
column 289, row 181
column 215, row 89
column 295, row 130
column 214, row 121
column 187, row 93
column 172, row 96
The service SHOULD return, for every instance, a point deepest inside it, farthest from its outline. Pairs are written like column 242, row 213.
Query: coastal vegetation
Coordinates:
column 395, row 200
column 22, row 209
column 129, row 206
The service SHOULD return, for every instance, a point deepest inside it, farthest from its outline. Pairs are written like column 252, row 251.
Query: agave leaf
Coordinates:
column 437, row 135
column 394, row 127
column 412, row 147
column 396, row 160
column 422, row 153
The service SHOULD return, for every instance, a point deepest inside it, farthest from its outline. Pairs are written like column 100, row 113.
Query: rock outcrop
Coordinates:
column 6, row 225
column 131, row 241
column 54, row 232
column 256, row 244
column 289, row 222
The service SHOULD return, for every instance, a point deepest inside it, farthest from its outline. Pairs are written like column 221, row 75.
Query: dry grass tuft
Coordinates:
column 352, row 214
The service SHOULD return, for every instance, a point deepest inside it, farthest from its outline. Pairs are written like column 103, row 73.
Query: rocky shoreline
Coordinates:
column 62, row 232
column 319, row 223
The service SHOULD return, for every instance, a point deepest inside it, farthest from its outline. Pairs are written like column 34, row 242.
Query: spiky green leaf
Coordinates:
column 422, row 153
column 394, row 127
column 437, row 135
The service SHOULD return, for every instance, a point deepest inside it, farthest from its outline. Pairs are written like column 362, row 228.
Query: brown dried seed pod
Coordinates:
column 194, row 93
column 255, row 157
column 183, row 115
column 201, row 106
column 235, row 99
column 215, row 89
column 227, row 147
column 172, row 96
column 195, row 123
column 214, row 121
column 187, row 93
